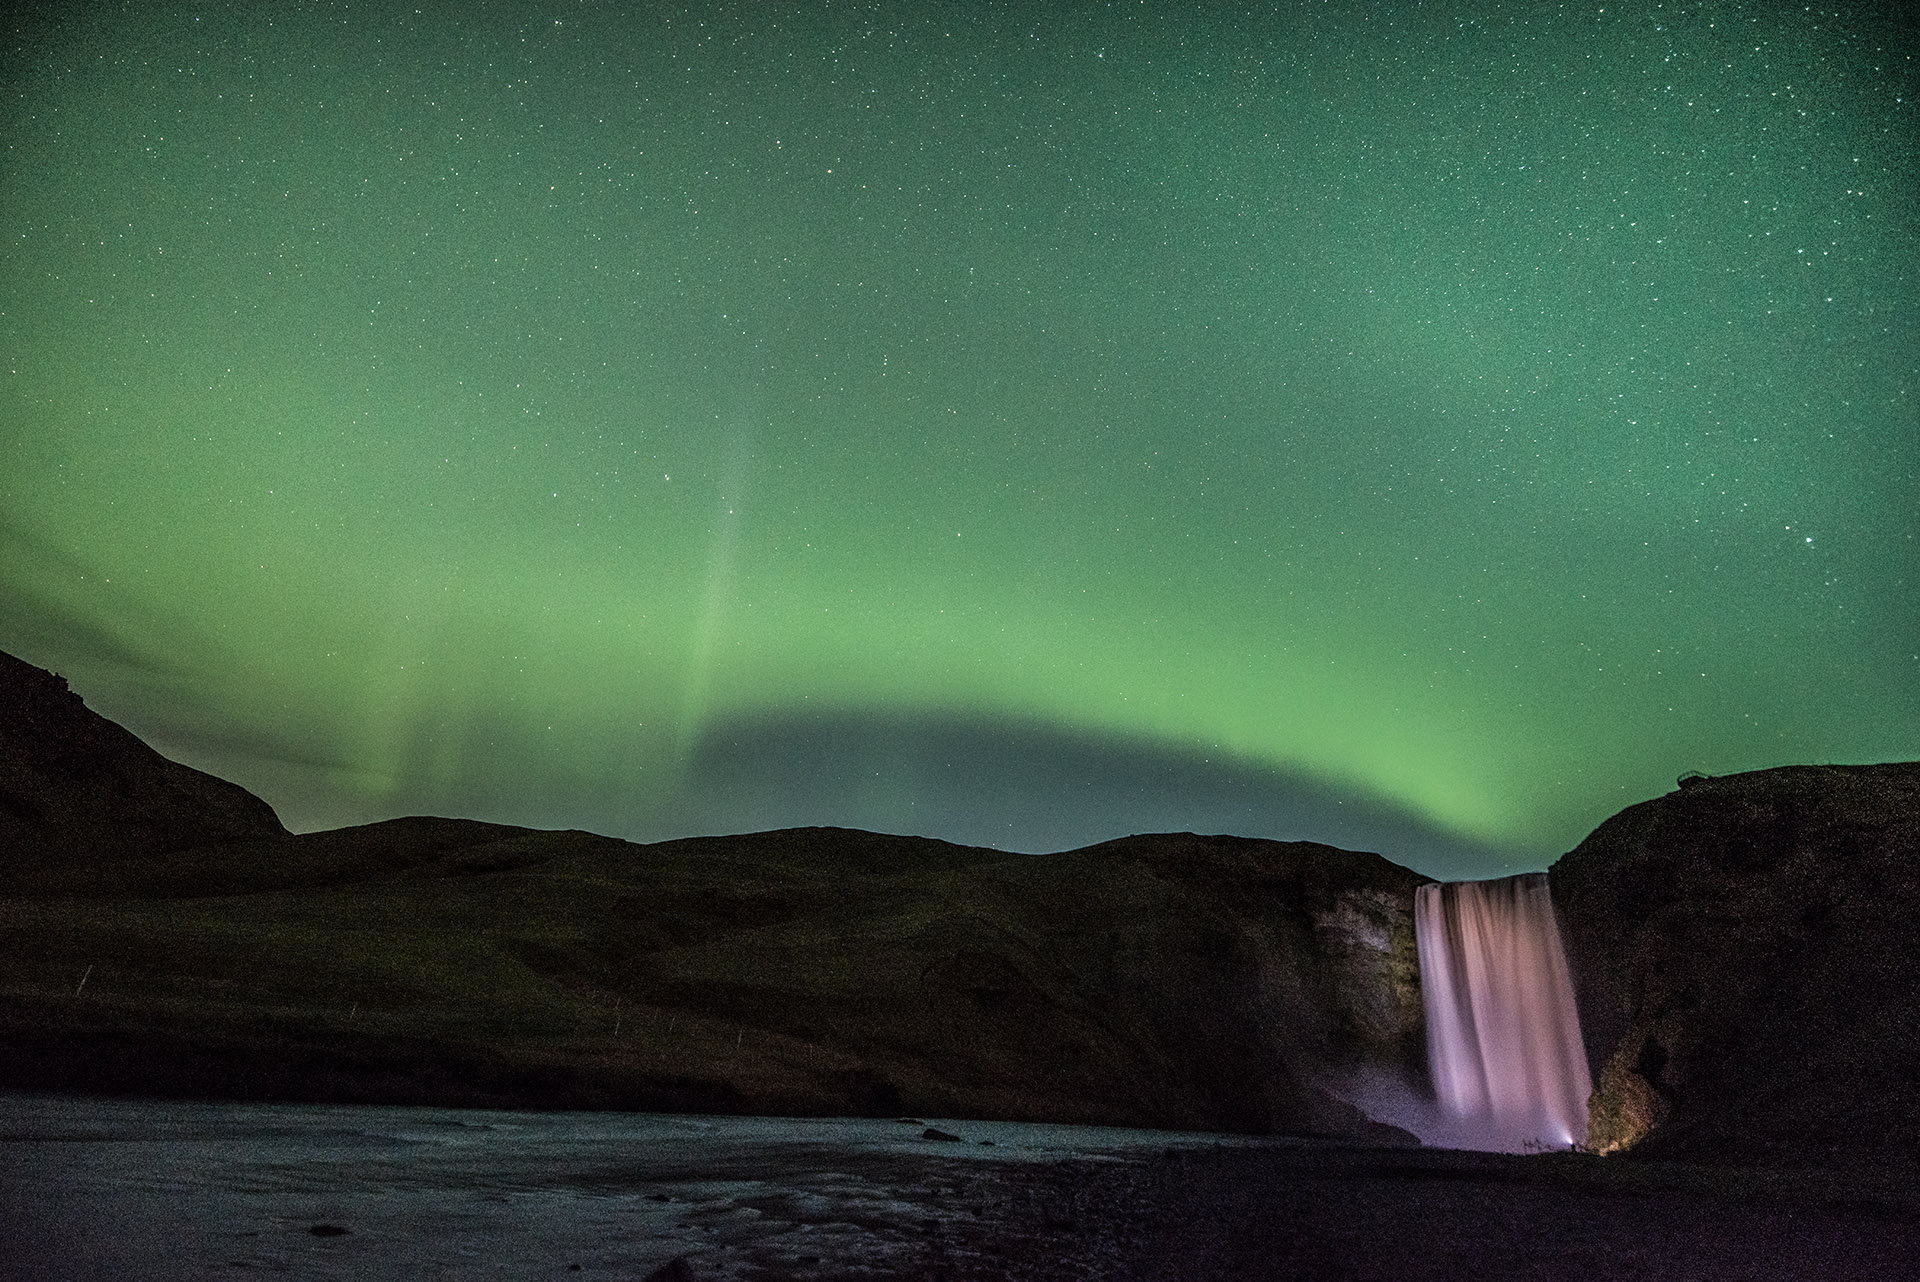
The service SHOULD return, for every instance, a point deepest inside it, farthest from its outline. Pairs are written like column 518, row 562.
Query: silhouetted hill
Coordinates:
column 1178, row 981
column 1745, row 953
column 166, row 935
column 1742, row 948
column 75, row 787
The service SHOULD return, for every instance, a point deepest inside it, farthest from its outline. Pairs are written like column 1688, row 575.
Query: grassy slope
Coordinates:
column 812, row 971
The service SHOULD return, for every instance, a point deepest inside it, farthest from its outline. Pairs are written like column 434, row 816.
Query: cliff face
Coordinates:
column 75, row 786
column 1747, row 964
column 1257, row 971
column 166, row 935
column 1172, row 981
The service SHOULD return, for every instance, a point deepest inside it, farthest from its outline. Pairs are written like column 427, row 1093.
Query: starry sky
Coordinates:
column 1421, row 428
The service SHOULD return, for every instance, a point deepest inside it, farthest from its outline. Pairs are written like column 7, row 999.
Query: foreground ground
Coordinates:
column 101, row 1188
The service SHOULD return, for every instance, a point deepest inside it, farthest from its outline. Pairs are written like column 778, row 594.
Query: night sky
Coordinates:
column 1424, row 429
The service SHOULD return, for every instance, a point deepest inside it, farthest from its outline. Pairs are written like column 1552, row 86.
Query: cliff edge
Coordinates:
column 76, row 787
column 1745, row 955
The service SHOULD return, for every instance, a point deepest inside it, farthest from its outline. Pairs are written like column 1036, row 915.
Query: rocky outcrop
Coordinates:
column 75, row 787
column 1745, row 955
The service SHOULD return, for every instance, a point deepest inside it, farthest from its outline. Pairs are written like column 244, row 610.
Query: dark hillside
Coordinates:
column 1747, row 954
column 1174, row 981
column 76, row 788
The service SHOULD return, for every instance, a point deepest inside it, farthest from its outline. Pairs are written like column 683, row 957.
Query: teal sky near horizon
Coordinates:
column 1443, row 424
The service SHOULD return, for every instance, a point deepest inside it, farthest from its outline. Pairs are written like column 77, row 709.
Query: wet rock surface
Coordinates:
column 1745, row 956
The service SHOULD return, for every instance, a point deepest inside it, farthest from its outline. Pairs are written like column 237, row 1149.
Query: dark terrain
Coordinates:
column 1743, row 950
column 1172, row 981
column 181, row 1192
column 1747, row 955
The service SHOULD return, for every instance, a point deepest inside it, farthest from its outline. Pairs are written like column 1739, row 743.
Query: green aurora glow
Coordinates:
column 1483, row 412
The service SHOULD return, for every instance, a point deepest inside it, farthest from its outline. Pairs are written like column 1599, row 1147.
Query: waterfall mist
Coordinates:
column 1503, row 1035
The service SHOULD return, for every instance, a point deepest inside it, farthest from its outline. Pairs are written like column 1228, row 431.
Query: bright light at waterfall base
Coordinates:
column 1503, row 1034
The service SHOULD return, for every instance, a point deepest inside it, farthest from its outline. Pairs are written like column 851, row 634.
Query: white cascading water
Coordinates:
column 1503, row 1036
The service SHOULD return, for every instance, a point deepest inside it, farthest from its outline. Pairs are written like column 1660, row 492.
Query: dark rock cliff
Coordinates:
column 74, row 786
column 166, row 936
column 1746, row 951
column 1173, row 981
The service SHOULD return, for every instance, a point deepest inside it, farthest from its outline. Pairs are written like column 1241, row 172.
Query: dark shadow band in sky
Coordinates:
column 1008, row 783
column 1028, row 786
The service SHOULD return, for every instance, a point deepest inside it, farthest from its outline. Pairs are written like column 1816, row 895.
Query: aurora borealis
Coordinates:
column 1421, row 429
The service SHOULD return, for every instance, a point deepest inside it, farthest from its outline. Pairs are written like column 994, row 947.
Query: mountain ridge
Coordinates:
column 1739, row 947
column 1167, row 980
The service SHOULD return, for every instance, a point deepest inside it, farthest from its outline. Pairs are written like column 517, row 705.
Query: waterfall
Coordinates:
column 1503, row 1036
